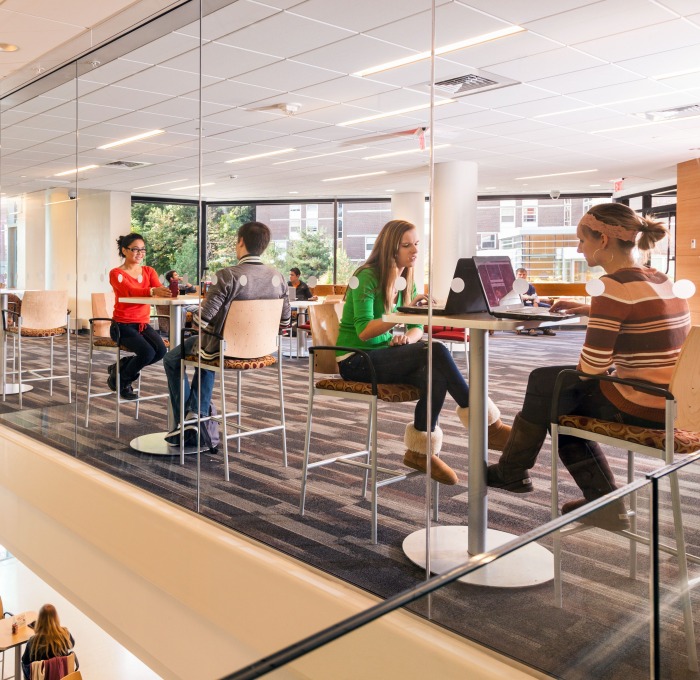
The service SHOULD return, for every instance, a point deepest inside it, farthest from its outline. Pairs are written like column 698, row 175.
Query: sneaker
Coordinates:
column 173, row 437
column 112, row 377
column 548, row 331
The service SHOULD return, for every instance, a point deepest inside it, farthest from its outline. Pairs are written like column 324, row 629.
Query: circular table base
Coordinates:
column 531, row 565
column 156, row 445
column 13, row 388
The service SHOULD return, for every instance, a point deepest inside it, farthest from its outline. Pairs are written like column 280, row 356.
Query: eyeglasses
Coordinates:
column 137, row 250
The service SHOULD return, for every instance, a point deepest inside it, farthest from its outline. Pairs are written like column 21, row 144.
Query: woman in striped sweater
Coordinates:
column 636, row 328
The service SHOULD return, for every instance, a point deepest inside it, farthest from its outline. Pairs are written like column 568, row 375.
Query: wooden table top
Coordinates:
column 7, row 639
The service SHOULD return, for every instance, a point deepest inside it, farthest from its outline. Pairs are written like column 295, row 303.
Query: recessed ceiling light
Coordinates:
column 390, row 190
column 193, row 186
column 363, row 174
column 75, row 170
column 293, row 192
column 160, row 184
column 401, row 153
column 135, row 138
column 673, row 74
column 559, row 174
column 398, row 112
column 260, row 155
column 8, row 47
column 320, row 155
column 452, row 47
column 594, row 185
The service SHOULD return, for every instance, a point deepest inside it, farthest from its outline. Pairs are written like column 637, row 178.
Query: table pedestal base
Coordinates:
column 13, row 388
column 156, row 445
column 528, row 566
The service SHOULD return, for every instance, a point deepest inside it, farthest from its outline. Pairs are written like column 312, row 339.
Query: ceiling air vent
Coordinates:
column 126, row 165
column 672, row 114
column 472, row 82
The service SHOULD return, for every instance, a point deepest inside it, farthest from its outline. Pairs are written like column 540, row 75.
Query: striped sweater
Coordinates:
column 638, row 327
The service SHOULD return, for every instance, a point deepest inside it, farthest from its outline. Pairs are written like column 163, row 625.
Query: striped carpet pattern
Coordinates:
column 602, row 630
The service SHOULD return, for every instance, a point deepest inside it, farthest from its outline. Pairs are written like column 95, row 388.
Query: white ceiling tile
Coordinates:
column 546, row 64
column 598, row 19
column 360, row 15
column 613, row 93
column 113, row 71
column 586, row 79
column 236, row 93
column 506, row 96
column 518, row 12
column 643, row 41
column 185, row 107
column 164, row 48
column 232, row 17
column 345, row 88
column 288, row 75
column 667, row 61
column 123, row 97
column 167, row 81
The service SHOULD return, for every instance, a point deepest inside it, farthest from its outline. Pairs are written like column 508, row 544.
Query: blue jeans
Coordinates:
column 198, row 395
column 147, row 346
column 408, row 364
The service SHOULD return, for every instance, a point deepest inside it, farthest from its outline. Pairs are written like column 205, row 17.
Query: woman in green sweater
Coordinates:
column 384, row 281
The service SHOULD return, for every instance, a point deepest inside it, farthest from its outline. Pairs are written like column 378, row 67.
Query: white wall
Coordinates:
column 191, row 599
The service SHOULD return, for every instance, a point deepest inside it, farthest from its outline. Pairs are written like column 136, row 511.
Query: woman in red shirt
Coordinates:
column 130, row 327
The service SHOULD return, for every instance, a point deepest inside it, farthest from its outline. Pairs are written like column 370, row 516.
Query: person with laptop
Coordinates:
column 384, row 281
column 636, row 329
column 532, row 299
column 302, row 290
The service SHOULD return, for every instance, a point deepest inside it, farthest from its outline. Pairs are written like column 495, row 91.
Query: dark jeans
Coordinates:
column 147, row 346
column 409, row 364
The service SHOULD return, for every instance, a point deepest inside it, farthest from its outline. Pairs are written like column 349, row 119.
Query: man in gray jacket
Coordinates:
column 250, row 279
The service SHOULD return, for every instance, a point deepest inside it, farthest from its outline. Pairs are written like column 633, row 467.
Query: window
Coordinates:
column 369, row 244
column 567, row 212
column 488, row 241
column 312, row 217
column 530, row 213
column 294, row 222
column 507, row 213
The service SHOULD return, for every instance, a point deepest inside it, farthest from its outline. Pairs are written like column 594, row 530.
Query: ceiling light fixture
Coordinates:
column 559, row 174
column 76, row 170
column 397, row 112
column 364, row 174
column 401, row 153
column 638, row 125
column 452, row 47
column 135, row 138
column 260, row 155
column 320, row 155
column 8, row 47
column 685, row 72
column 160, row 184
column 193, row 186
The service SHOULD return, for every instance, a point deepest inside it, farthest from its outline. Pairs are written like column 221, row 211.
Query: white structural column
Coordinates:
column 454, row 220
column 411, row 207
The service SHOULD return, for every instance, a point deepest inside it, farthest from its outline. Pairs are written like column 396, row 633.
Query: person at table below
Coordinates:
column 50, row 640
column 184, row 288
column 303, row 291
column 384, row 281
column 636, row 328
column 250, row 279
column 130, row 325
column 532, row 299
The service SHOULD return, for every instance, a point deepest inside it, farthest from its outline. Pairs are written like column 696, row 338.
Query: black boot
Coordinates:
column 587, row 464
column 519, row 455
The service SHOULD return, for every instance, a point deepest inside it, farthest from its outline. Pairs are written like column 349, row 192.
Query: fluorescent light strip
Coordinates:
column 452, row 47
column 260, row 155
column 398, row 112
column 193, row 186
column 638, row 125
column 160, row 184
column 559, row 174
column 401, row 153
column 320, row 155
column 135, row 138
column 75, row 170
column 364, row 174
column 686, row 72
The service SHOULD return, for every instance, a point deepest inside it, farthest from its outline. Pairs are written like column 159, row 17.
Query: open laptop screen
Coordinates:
column 497, row 278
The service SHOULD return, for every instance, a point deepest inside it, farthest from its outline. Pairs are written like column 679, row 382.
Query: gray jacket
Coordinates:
column 250, row 279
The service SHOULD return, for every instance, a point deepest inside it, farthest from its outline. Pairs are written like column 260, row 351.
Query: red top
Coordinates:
column 125, row 285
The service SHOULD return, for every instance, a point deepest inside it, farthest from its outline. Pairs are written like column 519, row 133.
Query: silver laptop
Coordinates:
column 496, row 278
column 292, row 291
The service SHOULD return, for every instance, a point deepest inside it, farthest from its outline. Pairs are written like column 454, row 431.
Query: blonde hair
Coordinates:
column 382, row 260
column 618, row 214
column 50, row 639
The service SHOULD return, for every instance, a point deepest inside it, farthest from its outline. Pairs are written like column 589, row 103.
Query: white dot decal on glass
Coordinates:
column 120, row 278
column 595, row 287
column 312, row 282
column 213, row 279
column 457, row 285
column 244, row 280
column 684, row 289
column 161, row 278
column 400, row 283
column 140, row 279
column 276, row 281
column 520, row 286
column 354, row 282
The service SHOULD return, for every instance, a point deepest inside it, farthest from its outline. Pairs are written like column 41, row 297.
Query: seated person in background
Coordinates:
column 531, row 299
column 50, row 640
column 250, row 279
column 185, row 288
column 303, row 291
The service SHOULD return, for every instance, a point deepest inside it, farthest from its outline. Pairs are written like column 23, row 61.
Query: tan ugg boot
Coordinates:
column 498, row 431
column 416, row 444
